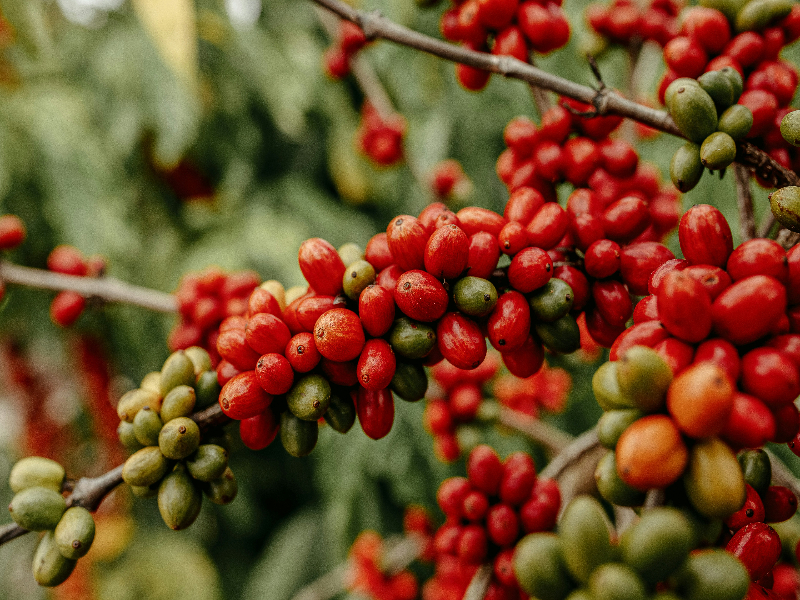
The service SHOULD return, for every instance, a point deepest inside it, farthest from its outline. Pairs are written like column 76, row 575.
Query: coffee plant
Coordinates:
column 367, row 326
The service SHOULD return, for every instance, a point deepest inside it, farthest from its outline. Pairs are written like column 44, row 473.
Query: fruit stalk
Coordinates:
column 747, row 223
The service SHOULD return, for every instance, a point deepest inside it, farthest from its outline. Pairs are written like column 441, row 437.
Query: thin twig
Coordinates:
column 541, row 99
column 787, row 238
column 543, row 433
column 480, row 583
column 104, row 288
column 767, row 224
column 325, row 587
column 747, row 223
column 574, row 467
column 605, row 101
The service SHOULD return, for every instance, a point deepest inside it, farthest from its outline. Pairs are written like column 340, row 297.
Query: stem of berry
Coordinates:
column 747, row 223
column 108, row 289
column 552, row 438
column 479, row 584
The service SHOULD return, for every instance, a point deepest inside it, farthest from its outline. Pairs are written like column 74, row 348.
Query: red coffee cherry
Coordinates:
column 420, row 296
column 321, row 266
column 771, row 376
column 387, row 278
column 484, row 253
column 476, row 505
column 525, row 360
column 497, row 14
column 436, row 418
column 708, row 27
column 473, row 545
column 66, row 307
column 684, row 307
column 789, row 344
column 266, row 333
column 471, row 78
column 339, row 335
column 748, row 309
column 311, row 308
column 377, row 252
column 745, row 48
column 758, row 546
column 685, row 56
column 407, row 238
column 613, row 302
column 302, row 353
column 647, row 334
column 428, row 216
column 464, row 401
column 645, row 310
column 242, row 397
column 275, row 374
column 510, row 322
column 618, row 157
column 677, row 354
column 447, row 252
column 451, row 494
column 750, row 425
column 713, row 279
column 232, row 346
column 376, row 365
column 376, row 310
column 759, row 257
column 721, row 353
column 705, row 236
column 586, row 229
column 461, row 341
column 502, row 525
column 540, row 512
column 600, row 330
column 763, row 105
column 484, row 469
column 67, row 260
column 520, row 134
column 523, row 204
column 780, row 504
column 262, row 301
column 504, row 568
column 581, row 158
column 225, row 372
column 638, row 261
column 475, row 219
column 519, row 476
column 530, row 270
column 12, row 232
column 626, row 218
column 548, row 226
column 675, row 264
column 577, row 281
column 602, row 259
column 513, row 238
column 375, row 410
column 340, row 372
column 259, row 431
column 751, row 512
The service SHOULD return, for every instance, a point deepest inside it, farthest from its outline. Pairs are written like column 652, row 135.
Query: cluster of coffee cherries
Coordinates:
column 38, row 505
column 67, row 306
column 704, row 110
column 380, row 137
column 12, row 234
column 369, row 573
column 623, row 21
column 449, row 182
column 587, row 560
column 337, row 57
column 508, row 27
column 737, row 309
column 170, row 461
column 205, row 299
column 486, row 514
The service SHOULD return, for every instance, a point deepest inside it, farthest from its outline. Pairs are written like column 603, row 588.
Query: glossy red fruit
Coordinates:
column 684, row 307
column 721, row 353
column 518, row 478
column 600, row 330
column 429, row 214
column 484, row 253
column 759, row 257
column 242, row 397
column 275, row 374
column 705, row 236
column 420, row 296
column 789, row 344
column 66, row 307
column 748, row 309
column 509, row 323
column 513, row 238
column 523, row 204
column 471, row 78
column 548, row 160
column 476, row 505
column 520, row 134
column 12, row 232
column 793, row 284
column 407, row 239
column 647, row 334
column 387, row 278
column 262, row 301
column 771, row 376
column 377, row 252
column 473, row 544
column 540, row 512
column 226, row 371
column 460, row 340
column 612, row 301
column 232, row 346
column 677, row 354
column 321, row 266
column 376, row 365
column 475, row 219
column 586, row 229
column 787, row 423
column 581, row 157
column 675, row 264
column 548, row 226
column 758, row 546
column 750, row 425
column 339, row 335
column 525, row 360
column 645, row 310
column 602, row 259
column 376, row 310
column 375, row 410
column 751, row 512
column 685, row 56
column 626, row 218
column 484, row 469
column 464, row 401
column 340, row 372
column 67, row 260
column 530, row 270
column 577, row 281
column 451, row 494
column 502, row 525
column 259, row 431
column 639, row 260
column 302, row 353
column 713, row 279
column 447, row 252
column 780, row 504
column 708, row 26
column 745, row 48
column 763, row 105
column 311, row 308
column 266, row 333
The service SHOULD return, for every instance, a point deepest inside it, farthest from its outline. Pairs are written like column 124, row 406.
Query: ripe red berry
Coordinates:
column 376, row 310
column 759, row 257
column 602, row 259
column 12, row 232
column 321, row 265
column 420, row 296
column 302, row 353
column 66, row 307
column 758, row 546
column 685, row 56
column 705, row 236
column 375, row 411
column 748, row 309
column 407, row 239
column 750, row 425
column 242, row 397
column 275, row 374
column 460, row 340
column 464, row 401
column 721, row 353
column 266, row 333
column 523, row 204
column 483, row 255
column 259, row 431
column 473, row 545
column 447, row 252
column 530, row 270
column 540, row 512
column 751, row 512
column 510, row 322
column 519, row 476
column 613, row 301
column 525, row 360
column 638, row 261
column 67, row 260
column 451, row 494
column 626, row 218
column 548, row 226
column 684, row 307
column 377, row 252
column 484, row 469
column 475, row 506
column 376, row 365
column 232, row 346
column 475, row 219
column 338, row 335
column 780, row 504
column 770, row 375
column 713, row 279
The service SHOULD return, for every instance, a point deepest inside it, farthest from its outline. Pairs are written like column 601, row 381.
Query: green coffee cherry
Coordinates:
column 540, row 568
column 785, row 205
column 613, row 423
column 74, row 533
column 713, row 479
column 614, row 581
column 179, row 499
column 585, row 534
column 736, row 121
column 350, row 253
column 146, row 427
column 759, row 14
column 50, row 568
column 145, row 467
column 37, row 508
column 36, row 471
column 309, row 397
column 605, row 386
column 127, row 436
column 208, row 462
column 611, row 487
column 580, row 594
column 179, row 438
column 179, row 402
column 298, row 436
column 673, row 87
column 644, row 378
column 685, row 168
column 410, row 339
column 735, row 78
column 410, row 381
column 134, row 401
column 551, row 301
column 152, row 382
column 730, row 8
column 712, row 574
column 717, row 151
column 145, row 491
column 357, row 276
column 341, row 413
column 658, row 544
column 200, row 359
column 790, row 127
column 207, row 390
column 562, row 336
column 719, row 86
column 756, row 468
column 222, row 490
column 178, row 370
column 694, row 112
column 474, row 296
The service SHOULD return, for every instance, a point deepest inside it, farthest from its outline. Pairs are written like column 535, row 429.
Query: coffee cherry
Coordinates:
column 302, row 353
column 50, row 567
column 376, row 365
column 483, row 254
column 36, row 471
column 275, row 374
column 242, row 397
column 651, row 453
column 461, row 341
column 780, row 504
column 700, row 400
column 714, row 482
column 338, row 335
column 375, row 411
column 12, row 232
column 420, row 296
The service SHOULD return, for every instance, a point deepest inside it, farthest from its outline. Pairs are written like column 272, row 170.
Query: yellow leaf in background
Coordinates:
column 173, row 26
